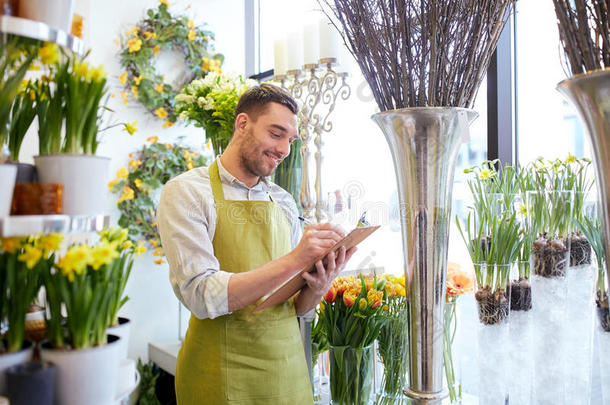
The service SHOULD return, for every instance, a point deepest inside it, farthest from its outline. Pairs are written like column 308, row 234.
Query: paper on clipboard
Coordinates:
column 296, row 282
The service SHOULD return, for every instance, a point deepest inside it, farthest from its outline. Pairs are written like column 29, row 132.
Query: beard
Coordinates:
column 253, row 156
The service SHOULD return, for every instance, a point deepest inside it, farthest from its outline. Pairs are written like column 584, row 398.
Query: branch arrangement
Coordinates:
column 584, row 32
column 421, row 53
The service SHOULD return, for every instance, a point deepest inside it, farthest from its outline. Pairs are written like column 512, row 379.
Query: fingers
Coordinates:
column 328, row 227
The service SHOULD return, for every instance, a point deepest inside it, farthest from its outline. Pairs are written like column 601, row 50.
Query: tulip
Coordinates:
column 330, row 295
column 349, row 298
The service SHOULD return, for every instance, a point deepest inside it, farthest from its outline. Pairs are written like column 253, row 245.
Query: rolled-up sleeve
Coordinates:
column 183, row 216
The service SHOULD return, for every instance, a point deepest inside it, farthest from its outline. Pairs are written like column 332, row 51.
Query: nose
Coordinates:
column 283, row 149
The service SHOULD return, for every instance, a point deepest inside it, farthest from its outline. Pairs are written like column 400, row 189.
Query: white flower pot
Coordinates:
column 56, row 13
column 86, row 376
column 12, row 359
column 85, row 180
column 122, row 330
column 8, row 173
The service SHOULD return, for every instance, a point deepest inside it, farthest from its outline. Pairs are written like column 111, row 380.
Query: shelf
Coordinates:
column 165, row 354
column 41, row 31
column 24, row 225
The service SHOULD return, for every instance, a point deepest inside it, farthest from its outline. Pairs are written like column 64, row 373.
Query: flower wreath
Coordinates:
column 148, row 171
column 161, row 30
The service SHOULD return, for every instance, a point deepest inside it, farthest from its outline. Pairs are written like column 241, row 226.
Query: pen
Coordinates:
column 305, row 220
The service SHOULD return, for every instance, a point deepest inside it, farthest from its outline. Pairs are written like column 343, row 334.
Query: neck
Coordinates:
column 231, row 162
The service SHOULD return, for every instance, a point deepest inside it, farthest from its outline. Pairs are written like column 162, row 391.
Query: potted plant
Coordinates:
column 210, row 103
column 352, row 315
column 87, row 281
column 22, row 261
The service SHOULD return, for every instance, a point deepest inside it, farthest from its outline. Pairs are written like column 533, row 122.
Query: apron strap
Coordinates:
column 219, row 195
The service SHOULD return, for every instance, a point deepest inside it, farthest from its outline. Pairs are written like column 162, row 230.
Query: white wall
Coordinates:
column 152, row 307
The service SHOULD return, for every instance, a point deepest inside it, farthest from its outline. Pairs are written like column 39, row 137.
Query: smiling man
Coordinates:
column 230, row 236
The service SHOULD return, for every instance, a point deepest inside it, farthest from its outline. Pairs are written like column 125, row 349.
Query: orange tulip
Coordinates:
column 331, row 295
column 374, row 298
column 349, row 298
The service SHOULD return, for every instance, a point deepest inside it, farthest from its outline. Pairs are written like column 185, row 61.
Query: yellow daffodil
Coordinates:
column 164, row 2
column 189, row 165
column 169, row 146
column 571, row 158
column 116, row 234
column 156, row 50
column 127, row 245
column 130, row 128
column 103, row 254
column 154, row 224
column 158, row 252
column 49, row 53
column 75, row 261
column 123, row 78
column 124, row 97
column 140, row 249
column 111, row 184
column 134, row 164
column 122, row 173
column 127, row 195
column 137, row 80
column 10, row 245
column 31, row 256
column 158, row 262
column 133, row 32
column 134, row 91
column 153, row 242
column 160, row 112
column 191, row 35
column 134, row 45
column 152, row 139
column 50, row 243
column 167, row 124
column 485, row 174
column 190, row 24
column 159, row 87
column 98, row 73
column 82, row 69
column 138, row 183
column 150, row 35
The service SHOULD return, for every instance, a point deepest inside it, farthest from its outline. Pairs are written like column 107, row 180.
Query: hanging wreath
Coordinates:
column 160, row 30
column 146, row 172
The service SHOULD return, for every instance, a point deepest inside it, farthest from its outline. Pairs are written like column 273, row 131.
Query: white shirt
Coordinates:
column 187, row 221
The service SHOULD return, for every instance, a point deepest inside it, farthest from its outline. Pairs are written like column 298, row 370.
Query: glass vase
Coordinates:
column 449, row 361
column 392, row 345
column 492, row 293
column 351, row 375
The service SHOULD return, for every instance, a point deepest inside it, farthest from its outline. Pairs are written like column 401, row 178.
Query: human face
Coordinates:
column 266, row 141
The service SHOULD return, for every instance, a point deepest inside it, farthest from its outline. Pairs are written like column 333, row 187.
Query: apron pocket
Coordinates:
column 264, row 359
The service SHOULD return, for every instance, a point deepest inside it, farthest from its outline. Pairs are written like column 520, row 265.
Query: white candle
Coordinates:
column 294, row 51
column 311, row 49
column 279, row 57
column 329, row 40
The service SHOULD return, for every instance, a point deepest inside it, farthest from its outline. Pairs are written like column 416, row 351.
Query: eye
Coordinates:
column 275, row 135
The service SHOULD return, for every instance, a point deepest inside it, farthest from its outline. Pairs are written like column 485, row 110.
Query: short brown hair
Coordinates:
column 254, row 101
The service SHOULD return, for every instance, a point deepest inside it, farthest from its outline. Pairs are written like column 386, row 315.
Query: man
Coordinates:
column 231, row 236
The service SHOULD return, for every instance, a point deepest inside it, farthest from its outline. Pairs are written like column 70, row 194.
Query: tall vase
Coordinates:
column 590, row 94
column 424, row 144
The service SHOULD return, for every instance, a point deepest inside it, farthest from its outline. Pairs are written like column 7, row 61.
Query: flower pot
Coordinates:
column 26, row 173
column 12, row 359
column 86, row 376
column 493, row 297
column 122, row 330
column 23, row 377
column 521, row 288
column 85, row 180
column 351, row 375
column 56, row 13
column 392, row 344
column 8, row 173
column 603, row 312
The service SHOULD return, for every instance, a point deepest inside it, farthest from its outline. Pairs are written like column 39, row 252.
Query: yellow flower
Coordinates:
column 571, row 158
column 82, row 70
column 158, row 252
column 10, row 245
column 111, row 184
column 169, row 145
column 127, row 245
column 158, row 261
column 138, row 183
column 164, row 2
column 49, row 243
column 77, row 26
column 130, row 128
column 128, row 195
column 154, row 224
column 134, row 45
column 190, row 24
column 485, row 174
column 150, row 35
column 152, row 139
column 156, row 50
column 134, row 164
column 124, row 97
column 160, row 112
column 167, row 124
column 123, row 78
column 140, row 249
column 49, row 54
column 116, row 234
column 153, row 242
column 98, row 73
column 137, row 80
column 122, row 173
column 134, row 91
column 189, row 165
column 191, row 35
column 159, row 87
column 362, row 304
column 103, row 254
column 75, row 261
column 133, row 32
column 31, row 256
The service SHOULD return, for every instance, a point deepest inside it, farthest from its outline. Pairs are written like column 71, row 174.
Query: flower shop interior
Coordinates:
column 472, row 132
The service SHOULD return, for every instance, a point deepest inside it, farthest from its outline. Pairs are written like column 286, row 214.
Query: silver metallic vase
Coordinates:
column 590, row 94
column 424, row 143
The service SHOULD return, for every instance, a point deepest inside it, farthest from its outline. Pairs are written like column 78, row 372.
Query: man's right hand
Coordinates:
column 316, row 240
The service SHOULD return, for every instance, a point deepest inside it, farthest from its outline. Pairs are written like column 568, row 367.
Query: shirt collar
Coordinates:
column 227, row 177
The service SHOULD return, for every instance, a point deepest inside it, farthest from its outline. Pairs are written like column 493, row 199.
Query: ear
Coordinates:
column 240, row 123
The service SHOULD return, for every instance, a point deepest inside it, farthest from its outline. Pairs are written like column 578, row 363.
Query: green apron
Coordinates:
column 244, row 357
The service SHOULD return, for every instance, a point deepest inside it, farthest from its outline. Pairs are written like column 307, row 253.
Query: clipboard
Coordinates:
column 296, row 282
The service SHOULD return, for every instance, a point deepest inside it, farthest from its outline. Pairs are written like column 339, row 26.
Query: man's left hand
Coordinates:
column 320, row 281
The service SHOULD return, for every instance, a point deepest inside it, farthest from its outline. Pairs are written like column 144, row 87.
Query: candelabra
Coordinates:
column 316, row 87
